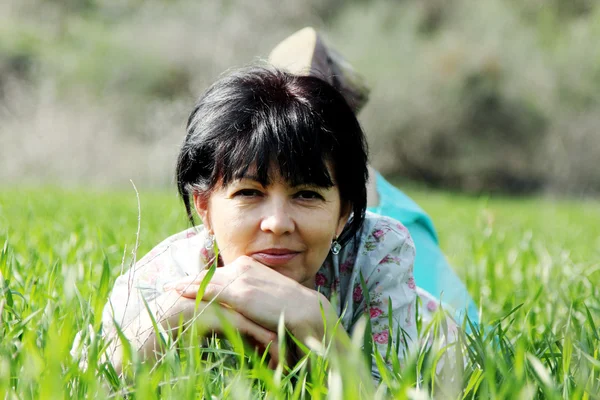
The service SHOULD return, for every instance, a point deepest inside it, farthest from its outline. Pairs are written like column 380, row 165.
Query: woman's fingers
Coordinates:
column 189, row 290
column 213, row 317
column 183, row 284
column 217, row 287
column 224, row 277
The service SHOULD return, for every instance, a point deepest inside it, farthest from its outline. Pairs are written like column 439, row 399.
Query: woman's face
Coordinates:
column 288, row 229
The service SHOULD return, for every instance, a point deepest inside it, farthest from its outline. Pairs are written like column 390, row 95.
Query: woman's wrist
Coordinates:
column 310, row 322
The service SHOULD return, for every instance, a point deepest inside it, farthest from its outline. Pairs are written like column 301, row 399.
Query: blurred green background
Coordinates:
column 478, row 96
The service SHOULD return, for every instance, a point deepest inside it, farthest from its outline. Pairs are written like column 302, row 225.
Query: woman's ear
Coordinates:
column 201, row 205
column 344, row 215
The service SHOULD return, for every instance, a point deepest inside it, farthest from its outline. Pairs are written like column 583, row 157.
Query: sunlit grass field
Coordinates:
column 531, row 264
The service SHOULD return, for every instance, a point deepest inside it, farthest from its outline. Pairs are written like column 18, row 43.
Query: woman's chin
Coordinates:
column 290, row 267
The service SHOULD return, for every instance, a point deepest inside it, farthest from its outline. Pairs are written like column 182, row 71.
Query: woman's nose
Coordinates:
column 277, row 219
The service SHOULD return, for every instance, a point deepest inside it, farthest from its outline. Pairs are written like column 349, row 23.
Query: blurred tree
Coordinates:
column 433, row 13
column 74, row 6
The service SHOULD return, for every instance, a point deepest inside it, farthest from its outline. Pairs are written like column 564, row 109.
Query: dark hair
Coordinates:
column 261, row 116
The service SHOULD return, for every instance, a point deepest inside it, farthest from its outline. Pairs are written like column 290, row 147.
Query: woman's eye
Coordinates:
column 308, row 195
column 248, row 193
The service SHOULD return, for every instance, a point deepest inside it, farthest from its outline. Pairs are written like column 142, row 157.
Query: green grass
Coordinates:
column 532, row 264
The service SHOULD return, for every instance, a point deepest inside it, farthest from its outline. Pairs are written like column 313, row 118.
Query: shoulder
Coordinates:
column 375, row 222
column 178, row 255
column 381, row 244
column 192, row 237
column 381, row 235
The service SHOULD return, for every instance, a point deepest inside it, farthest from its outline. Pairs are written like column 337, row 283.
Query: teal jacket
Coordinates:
column 432, row 272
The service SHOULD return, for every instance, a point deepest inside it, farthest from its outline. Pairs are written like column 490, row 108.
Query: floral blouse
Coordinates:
column 383, row 254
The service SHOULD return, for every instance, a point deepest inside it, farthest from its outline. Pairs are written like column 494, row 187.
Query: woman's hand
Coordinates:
column 261, row 295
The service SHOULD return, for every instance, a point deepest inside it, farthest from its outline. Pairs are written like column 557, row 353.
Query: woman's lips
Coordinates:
column 274, row 257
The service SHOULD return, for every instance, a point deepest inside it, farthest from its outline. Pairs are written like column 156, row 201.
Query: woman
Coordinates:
column 275, row 165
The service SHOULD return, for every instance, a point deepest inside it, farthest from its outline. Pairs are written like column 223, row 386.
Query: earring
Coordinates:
column 209, row 243
column 335, row 247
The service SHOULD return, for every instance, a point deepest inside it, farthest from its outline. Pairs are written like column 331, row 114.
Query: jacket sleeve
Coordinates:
column 171, row 260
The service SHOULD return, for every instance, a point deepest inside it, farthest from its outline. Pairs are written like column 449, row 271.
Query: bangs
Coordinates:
column 287, row 137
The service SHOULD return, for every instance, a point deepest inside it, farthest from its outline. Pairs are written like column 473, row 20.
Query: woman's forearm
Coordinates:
column 167, row 311
column 171, row 311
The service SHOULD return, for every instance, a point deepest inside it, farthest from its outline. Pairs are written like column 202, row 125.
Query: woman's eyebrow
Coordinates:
column 302, row 185
column 250, row 177
column 308, row 185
